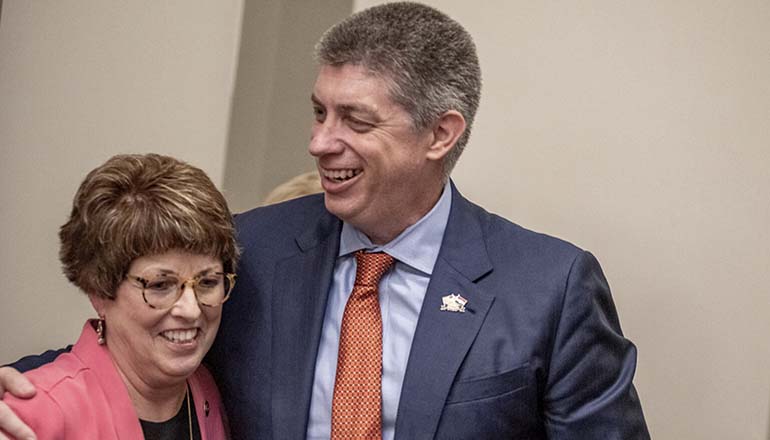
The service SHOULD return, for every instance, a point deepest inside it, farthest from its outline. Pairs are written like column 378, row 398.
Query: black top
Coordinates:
column 175, row 428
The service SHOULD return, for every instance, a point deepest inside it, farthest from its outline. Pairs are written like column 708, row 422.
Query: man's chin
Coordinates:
column 342, row 207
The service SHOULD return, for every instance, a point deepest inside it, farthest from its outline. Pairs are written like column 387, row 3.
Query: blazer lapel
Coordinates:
column 301, row 287
column 442, row 338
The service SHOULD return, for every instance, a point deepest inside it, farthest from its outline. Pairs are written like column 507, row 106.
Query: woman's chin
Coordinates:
column 178, row 369
column 180, row 363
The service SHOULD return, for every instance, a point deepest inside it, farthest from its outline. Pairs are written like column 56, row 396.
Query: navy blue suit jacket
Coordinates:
column 538, row 353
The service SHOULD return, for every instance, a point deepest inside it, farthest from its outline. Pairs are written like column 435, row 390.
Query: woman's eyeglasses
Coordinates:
column 164, row 290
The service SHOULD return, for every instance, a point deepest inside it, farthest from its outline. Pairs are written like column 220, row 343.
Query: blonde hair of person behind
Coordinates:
column 298, row 186
column 135, row 205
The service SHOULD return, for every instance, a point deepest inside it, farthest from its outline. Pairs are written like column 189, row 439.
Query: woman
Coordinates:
column 150, row 240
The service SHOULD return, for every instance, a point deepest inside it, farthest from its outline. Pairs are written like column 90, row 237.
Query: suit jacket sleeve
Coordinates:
column 35, row 361
column 589, row 391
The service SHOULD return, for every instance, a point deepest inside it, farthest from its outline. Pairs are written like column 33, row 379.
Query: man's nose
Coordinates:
column 325, row 139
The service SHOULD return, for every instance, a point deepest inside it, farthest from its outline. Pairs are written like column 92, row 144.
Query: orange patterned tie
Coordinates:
column 357, row 401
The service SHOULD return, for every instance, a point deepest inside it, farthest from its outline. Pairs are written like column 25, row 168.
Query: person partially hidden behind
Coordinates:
column 151, row 241
column 298, row 186
column 485, row 330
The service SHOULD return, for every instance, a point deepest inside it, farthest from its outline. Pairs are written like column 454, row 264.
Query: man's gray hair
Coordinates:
column 429, row 60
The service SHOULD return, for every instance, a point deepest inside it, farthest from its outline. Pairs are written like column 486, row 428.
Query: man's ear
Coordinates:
column 449, row 127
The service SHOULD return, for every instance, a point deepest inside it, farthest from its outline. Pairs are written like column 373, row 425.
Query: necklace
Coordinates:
column 189, row 413
column 173, row 428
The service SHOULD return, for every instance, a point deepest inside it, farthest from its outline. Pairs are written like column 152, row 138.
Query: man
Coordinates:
column 485, row 330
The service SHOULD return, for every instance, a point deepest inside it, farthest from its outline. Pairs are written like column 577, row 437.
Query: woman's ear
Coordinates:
column 99, row 303
column 449, row 127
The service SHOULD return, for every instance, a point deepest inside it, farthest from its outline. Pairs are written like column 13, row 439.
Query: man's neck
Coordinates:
column 388, row 228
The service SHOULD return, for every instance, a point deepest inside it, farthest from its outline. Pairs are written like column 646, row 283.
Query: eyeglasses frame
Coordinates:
column 181, row 288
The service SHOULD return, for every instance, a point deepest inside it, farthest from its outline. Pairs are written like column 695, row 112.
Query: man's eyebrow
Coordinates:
column 346, row 109
column 360, row 109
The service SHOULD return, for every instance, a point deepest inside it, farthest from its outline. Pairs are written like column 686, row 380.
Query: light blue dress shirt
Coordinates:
column 402, row 290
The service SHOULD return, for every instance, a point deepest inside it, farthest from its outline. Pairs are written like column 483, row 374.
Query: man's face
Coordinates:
column 372, row 162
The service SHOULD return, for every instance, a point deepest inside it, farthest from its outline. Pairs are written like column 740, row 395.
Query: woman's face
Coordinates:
column 160, row 346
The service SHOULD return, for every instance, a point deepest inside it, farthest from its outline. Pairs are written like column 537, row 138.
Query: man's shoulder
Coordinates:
column 500, row 232
column 285, row 216
column 530, row 238
column 269, row 213
column 275, row 228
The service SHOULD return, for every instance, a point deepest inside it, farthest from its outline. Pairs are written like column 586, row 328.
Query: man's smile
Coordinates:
column 340, row 175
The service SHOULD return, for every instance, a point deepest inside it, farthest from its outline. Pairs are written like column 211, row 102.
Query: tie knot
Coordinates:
column 370, row 267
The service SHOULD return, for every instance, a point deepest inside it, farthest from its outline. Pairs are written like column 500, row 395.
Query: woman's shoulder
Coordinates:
column 71, row 368
column 61, row 373
column 70, row 401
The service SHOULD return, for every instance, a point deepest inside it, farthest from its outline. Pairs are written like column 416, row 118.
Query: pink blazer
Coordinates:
column 81, row 396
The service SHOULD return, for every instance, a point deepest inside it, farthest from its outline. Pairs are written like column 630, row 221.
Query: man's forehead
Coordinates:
column 350, row 88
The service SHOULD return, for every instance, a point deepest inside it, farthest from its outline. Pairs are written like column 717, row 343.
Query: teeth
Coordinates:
column 341, row 175
column 180, row 336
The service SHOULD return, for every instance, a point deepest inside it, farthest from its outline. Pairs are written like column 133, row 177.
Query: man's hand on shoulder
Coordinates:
column 16, row 384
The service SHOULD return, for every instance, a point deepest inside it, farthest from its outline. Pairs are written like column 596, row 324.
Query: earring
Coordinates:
column 100, row 331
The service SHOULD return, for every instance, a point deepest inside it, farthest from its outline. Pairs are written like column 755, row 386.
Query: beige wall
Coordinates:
column 641, row 131
column 79, row 82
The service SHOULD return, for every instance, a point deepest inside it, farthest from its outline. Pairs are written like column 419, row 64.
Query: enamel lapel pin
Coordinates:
column 453, row 303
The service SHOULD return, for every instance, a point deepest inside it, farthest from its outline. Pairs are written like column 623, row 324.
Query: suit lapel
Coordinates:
column 300, row 291
column 442, row 338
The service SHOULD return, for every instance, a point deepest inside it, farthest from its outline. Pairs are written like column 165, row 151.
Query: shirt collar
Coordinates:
column 417, row 246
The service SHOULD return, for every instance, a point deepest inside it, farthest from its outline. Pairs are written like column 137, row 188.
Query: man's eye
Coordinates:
column 319, row 113
column 359, row 125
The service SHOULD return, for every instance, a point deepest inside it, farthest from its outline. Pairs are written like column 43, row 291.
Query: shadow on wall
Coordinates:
column 270, row 112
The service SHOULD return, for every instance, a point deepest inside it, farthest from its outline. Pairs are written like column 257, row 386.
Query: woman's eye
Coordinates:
column 209, row 283
column 161, row 285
